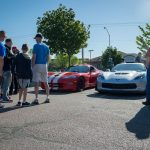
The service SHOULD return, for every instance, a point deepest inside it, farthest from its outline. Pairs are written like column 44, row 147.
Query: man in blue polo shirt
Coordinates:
column 2, row 55
column 40, row 59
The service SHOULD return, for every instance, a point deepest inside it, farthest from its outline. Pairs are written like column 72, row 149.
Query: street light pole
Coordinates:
column 90, row 54
column 108, row 34
column 82, row 55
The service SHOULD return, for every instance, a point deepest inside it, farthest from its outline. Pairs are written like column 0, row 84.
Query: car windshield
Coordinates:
column 129, row 67
column 79, row 69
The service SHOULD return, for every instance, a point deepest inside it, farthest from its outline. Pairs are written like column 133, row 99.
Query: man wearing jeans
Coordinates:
column 147, row 102
column 7, row 75
column 40, row 59
column 2, row 54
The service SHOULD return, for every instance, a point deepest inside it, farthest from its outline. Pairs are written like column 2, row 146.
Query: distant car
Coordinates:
column 125, row 77
column 76, row 78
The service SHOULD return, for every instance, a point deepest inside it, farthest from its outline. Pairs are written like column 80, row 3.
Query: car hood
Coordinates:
column 127, row 75
column 63, row 74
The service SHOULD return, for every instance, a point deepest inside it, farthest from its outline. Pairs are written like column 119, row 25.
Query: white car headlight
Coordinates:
column 69, row 77
column 142, row 76
column 101, row 77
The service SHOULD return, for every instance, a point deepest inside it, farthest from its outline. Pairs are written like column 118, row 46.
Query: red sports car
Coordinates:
column 76, row 78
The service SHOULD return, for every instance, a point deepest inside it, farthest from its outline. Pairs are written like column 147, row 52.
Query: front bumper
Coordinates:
column 121, row 86
column 63, row 86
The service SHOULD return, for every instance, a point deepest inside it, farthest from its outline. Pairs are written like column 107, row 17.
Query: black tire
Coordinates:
column 80, row 84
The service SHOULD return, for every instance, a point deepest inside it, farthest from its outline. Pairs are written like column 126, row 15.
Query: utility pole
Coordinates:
column 108, row 35
column 90, row 54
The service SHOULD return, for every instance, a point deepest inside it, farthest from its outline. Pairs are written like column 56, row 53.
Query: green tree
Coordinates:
column 61, row 61
column 143, row 40
column 75, row 61
column 30, row 52
column 110, row 54
column 62, row 32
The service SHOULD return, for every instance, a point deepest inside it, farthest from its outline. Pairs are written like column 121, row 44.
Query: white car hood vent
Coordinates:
column 122, row 73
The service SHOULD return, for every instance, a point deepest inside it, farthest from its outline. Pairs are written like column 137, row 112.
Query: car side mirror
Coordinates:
column 107, row 70
column 92, row 70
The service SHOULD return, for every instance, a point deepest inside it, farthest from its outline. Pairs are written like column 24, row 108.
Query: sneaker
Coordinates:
column 7, row 100
column 1, row 106
column 35, row 102
column 19, row 104
column 25, row 104
column 147, row 103
column 47, row 101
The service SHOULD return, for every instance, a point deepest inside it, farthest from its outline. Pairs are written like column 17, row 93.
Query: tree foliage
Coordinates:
column 62, row 32
column 61, row 61
column 112, row 53
column 143, row 40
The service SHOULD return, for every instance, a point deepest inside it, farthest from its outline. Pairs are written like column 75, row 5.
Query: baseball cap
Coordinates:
column 8, row 40
column 38, row 35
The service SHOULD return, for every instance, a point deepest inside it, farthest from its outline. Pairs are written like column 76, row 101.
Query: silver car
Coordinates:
column 125, row 77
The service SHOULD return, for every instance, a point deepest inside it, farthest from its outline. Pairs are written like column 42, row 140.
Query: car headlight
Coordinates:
column 101, row 77
column 69, row 77
column 142, row 76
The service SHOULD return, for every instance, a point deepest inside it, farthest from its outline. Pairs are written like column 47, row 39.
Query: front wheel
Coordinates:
column 80, row 84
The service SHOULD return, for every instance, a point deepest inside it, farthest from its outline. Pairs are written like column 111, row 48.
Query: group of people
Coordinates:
column 18, row 69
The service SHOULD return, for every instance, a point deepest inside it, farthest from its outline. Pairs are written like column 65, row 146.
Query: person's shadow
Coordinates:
column 140, row 124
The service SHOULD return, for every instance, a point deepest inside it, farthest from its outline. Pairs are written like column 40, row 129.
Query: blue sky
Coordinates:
column 121, row 17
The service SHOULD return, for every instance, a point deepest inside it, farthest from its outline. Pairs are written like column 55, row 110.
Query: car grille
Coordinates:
column 56, row 85
column 119, row 86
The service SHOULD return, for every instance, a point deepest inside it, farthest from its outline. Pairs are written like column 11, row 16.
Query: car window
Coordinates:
column 129, row 67
column 79, row 69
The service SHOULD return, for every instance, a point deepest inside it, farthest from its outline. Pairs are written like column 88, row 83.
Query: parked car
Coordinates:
column 76, row 78
column 125, row 77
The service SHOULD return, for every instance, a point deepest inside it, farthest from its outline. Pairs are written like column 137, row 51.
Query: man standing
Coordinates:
column 2, row 54
column 14, row 84
column 147, row 102
column 7, row 68
column 40, row 59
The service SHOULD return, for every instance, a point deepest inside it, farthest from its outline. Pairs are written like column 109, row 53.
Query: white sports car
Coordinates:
column 125, row 77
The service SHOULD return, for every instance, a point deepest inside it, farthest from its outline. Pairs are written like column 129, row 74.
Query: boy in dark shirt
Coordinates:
column 24, row 73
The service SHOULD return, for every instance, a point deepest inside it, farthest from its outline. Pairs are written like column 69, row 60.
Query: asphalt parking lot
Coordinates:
column 77, row 121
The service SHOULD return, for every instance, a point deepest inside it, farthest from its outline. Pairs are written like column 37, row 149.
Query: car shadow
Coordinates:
column 42, row 92
column 140, row 124
column 117, row 96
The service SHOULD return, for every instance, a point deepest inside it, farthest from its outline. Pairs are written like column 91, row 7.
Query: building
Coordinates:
column 96, row 62
column 129, row 58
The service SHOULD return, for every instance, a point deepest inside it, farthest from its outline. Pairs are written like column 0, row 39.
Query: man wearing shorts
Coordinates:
column 40, row 59
column 2, row 55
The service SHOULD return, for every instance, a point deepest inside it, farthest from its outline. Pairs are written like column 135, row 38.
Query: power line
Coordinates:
column 93, row 25
column 23, row 36
column 119, row 24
